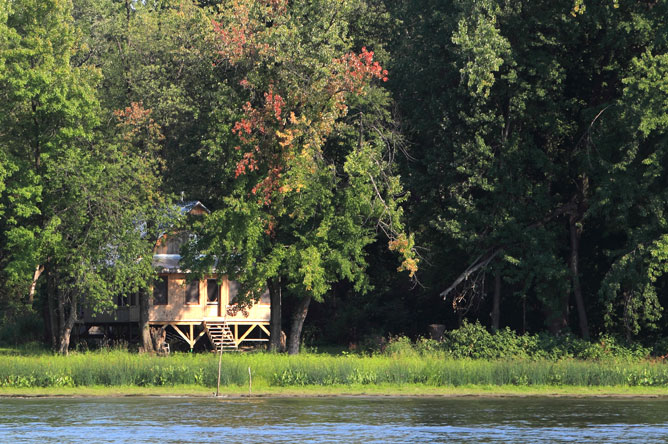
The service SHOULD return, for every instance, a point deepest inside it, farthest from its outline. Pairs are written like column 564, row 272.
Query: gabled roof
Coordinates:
column 188, row 207
column 169, row 263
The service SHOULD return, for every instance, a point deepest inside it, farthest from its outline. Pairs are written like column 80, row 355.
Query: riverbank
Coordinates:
column 379, row 391
column 121, row 373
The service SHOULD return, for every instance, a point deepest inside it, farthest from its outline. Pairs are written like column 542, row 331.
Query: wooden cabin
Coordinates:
column 190, row 311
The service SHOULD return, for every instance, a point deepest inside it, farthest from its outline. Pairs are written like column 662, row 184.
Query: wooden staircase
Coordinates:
column 221, row 336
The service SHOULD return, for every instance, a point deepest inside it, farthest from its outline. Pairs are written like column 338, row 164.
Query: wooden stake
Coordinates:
column 220, row 360
column 250, row 383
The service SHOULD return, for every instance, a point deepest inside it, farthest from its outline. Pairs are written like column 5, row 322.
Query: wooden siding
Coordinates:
column 176, row 309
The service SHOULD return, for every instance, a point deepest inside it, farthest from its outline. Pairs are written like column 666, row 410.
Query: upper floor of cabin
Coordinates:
column 175, row 298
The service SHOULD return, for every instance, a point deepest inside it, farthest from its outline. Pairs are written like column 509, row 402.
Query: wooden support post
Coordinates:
column 250, row 329
column 202, row 333
column 178, row 330
column 192, row 337
column 220, row 361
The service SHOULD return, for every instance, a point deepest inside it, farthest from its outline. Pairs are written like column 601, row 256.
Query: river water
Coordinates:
column 333, row 420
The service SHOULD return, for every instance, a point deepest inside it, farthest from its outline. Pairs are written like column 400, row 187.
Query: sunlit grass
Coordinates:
column 125, row 369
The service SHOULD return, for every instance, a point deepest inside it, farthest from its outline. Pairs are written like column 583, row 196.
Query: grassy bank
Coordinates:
column 353, row 390
column 323, row 374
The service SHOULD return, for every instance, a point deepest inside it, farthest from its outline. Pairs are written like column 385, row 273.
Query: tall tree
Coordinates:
column 314, row 177
column 504, row 114
column 73, row 197
column 633, row 197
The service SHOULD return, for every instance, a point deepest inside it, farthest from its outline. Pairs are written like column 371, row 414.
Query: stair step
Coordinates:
column 221, row 336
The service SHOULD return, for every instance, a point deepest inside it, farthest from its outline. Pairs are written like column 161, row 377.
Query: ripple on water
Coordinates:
column 333, row 420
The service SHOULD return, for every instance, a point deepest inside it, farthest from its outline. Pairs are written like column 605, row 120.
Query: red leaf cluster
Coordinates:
column 136, row 120
column 274, row 103
column 358, row 70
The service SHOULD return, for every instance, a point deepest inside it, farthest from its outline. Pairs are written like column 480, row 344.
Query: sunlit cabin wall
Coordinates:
column 177, row 309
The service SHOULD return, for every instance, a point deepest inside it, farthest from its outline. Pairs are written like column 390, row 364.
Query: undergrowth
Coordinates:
column 117, row 368
column 468, row 356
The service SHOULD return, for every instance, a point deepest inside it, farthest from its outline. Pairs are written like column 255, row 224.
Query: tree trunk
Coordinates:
column 53, row 320
column 496, row 303
column 297, row 323
column 577, row 289
column 67, row 325
column 275, row 317
column 158, row 337
column 144, row 327
column 33, row 286
column 557, row 316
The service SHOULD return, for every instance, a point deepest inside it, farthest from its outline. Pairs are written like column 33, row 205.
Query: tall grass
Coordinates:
column 120, row 368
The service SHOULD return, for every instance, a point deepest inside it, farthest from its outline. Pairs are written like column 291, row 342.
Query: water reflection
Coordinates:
column 333, row 420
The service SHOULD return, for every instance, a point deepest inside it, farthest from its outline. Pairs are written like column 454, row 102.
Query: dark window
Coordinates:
column 160, row 291
column 265, row 298
column 192, row 292
column 234, row 292
column 171, row 243
column 134, row 298
column 212, row 291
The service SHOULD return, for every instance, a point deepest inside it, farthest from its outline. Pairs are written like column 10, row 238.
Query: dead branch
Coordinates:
column 479, row 263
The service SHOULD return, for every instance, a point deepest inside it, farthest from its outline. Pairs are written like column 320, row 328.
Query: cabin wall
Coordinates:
column 121, row 314
column 176, row 309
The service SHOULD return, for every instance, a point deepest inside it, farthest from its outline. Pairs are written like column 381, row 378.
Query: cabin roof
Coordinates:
column 187, row 207
column 168, row 263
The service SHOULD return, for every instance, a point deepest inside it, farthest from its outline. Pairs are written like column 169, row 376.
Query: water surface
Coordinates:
column 333, row 420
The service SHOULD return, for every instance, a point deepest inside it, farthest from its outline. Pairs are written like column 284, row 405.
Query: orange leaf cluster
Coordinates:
column 233, row 41
column 241, row 36
column 358, row 69
column 274, row 102
column 135, row 119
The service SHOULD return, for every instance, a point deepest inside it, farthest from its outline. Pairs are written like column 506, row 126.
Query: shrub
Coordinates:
column 400, row 346
column 472, row 340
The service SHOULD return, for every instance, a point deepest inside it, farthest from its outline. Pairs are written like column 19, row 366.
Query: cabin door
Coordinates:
column 213, row 297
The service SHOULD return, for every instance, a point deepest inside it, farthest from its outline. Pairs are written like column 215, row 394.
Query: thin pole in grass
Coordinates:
column 220, row 361
column 250, row 383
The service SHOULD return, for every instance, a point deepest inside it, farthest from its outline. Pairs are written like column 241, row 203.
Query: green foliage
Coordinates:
column 473, row 341
column 77, row 193
column 513, row 138
column 117, row 368
column 304, row 130
column 629, row 288
column 20, row 328
column 520, row 120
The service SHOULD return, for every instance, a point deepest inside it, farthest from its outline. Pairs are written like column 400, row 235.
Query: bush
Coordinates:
column 474, row 341
column 400, row 346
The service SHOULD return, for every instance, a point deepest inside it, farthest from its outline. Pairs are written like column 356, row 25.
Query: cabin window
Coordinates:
column 192, row 292
column 265, row 298
column 172, row 243
column 234, row 292
column 212, row 291
column 160, row 291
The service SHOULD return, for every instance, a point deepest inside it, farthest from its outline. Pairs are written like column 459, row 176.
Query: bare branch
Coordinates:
column 480, row 263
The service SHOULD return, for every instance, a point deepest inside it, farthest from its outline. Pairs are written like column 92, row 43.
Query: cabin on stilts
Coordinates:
column 191, row 312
